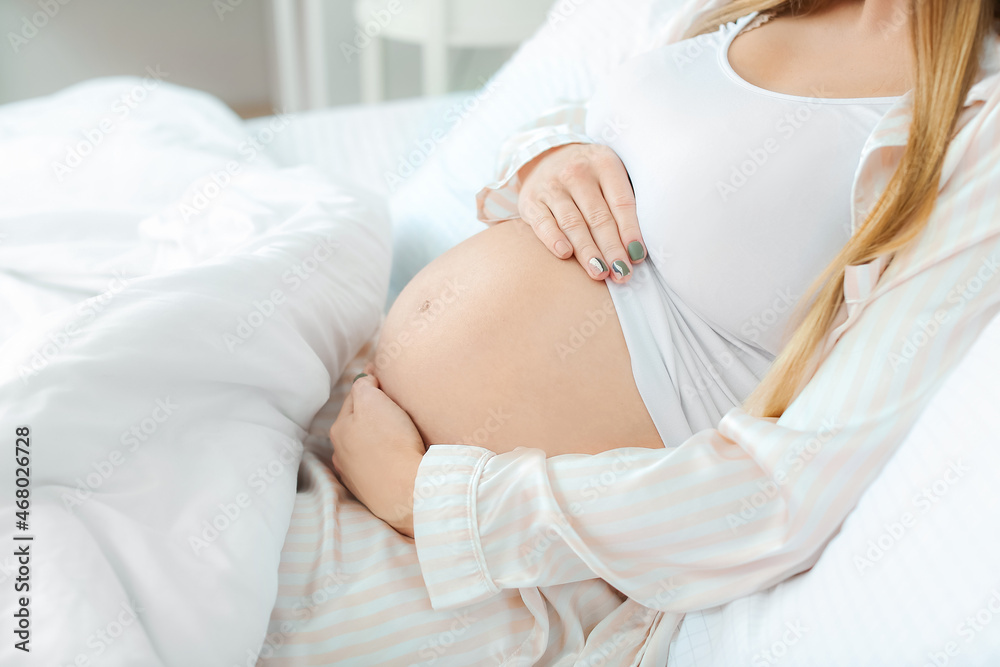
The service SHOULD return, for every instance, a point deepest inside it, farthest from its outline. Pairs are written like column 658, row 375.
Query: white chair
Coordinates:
column 437, row 26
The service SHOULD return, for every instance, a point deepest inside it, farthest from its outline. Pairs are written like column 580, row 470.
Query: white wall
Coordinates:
column 87, row 38
column 227, row 54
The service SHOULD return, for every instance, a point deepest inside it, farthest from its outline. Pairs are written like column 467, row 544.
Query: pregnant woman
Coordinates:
column 638, row 296
column 742, row 197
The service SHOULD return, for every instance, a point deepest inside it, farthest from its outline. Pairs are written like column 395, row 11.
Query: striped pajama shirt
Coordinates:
column 520, row 559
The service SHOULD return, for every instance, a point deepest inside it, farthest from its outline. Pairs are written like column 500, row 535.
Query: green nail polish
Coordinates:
column 620, row 268
column 359, row 376
column 598, row 264
column 636, row 251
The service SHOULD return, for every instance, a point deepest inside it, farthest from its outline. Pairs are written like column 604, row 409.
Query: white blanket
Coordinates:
column 166, row 410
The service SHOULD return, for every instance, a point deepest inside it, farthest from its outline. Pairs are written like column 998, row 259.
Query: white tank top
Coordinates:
column 743, row 196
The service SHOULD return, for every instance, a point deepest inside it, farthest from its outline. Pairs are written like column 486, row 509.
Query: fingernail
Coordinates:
column 598, row 265
column 620, row 268
column 562, row 248
column 359, row 376
column 636, row 251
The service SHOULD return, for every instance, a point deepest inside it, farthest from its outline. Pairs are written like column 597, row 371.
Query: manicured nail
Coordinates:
column 636, row 251
column 562, row 248
column 598, row 265
column 620, row 268
column 359, row 376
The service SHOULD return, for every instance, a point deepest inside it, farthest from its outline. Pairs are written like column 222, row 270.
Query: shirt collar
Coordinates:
column 891, row 133
column 989, row 72
column 893, row 130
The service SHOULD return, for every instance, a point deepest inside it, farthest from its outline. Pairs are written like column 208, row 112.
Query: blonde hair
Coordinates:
column 947, row 37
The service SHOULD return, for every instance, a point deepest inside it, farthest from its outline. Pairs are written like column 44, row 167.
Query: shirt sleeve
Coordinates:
column 562, row 125
column 730, row 511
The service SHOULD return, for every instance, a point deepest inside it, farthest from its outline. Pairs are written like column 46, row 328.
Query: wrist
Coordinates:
column 405, row 481
column 525, row 170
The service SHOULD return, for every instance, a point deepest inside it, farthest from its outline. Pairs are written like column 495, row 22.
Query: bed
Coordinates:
column 907, row 581
column 888, row 591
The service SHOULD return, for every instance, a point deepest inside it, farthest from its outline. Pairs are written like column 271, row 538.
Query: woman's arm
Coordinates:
column 560, row 126
column 566, row 124
column 563, row 125
column 731, row 511
column 574, row 193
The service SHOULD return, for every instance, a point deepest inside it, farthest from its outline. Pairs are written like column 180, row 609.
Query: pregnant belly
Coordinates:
column 499, row 344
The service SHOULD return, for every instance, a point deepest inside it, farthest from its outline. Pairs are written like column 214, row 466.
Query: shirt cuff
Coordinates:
column 445, row 526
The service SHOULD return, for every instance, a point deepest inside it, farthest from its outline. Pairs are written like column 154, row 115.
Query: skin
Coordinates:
column 843, row 51
column 499, row 344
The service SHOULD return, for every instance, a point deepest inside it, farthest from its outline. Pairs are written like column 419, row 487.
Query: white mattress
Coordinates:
column 358, row 143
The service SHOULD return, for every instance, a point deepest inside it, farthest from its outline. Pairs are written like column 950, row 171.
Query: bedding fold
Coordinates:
column 166, row 416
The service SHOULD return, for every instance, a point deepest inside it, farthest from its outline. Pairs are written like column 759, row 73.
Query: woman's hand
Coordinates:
column 376, row 453
column 579, row 200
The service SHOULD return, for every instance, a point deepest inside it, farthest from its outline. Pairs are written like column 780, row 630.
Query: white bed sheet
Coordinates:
column 348, row 145
column 154, row 406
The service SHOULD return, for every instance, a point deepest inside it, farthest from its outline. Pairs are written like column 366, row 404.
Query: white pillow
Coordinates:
column 434, row 208
column 912, row 577
column 166, row 414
